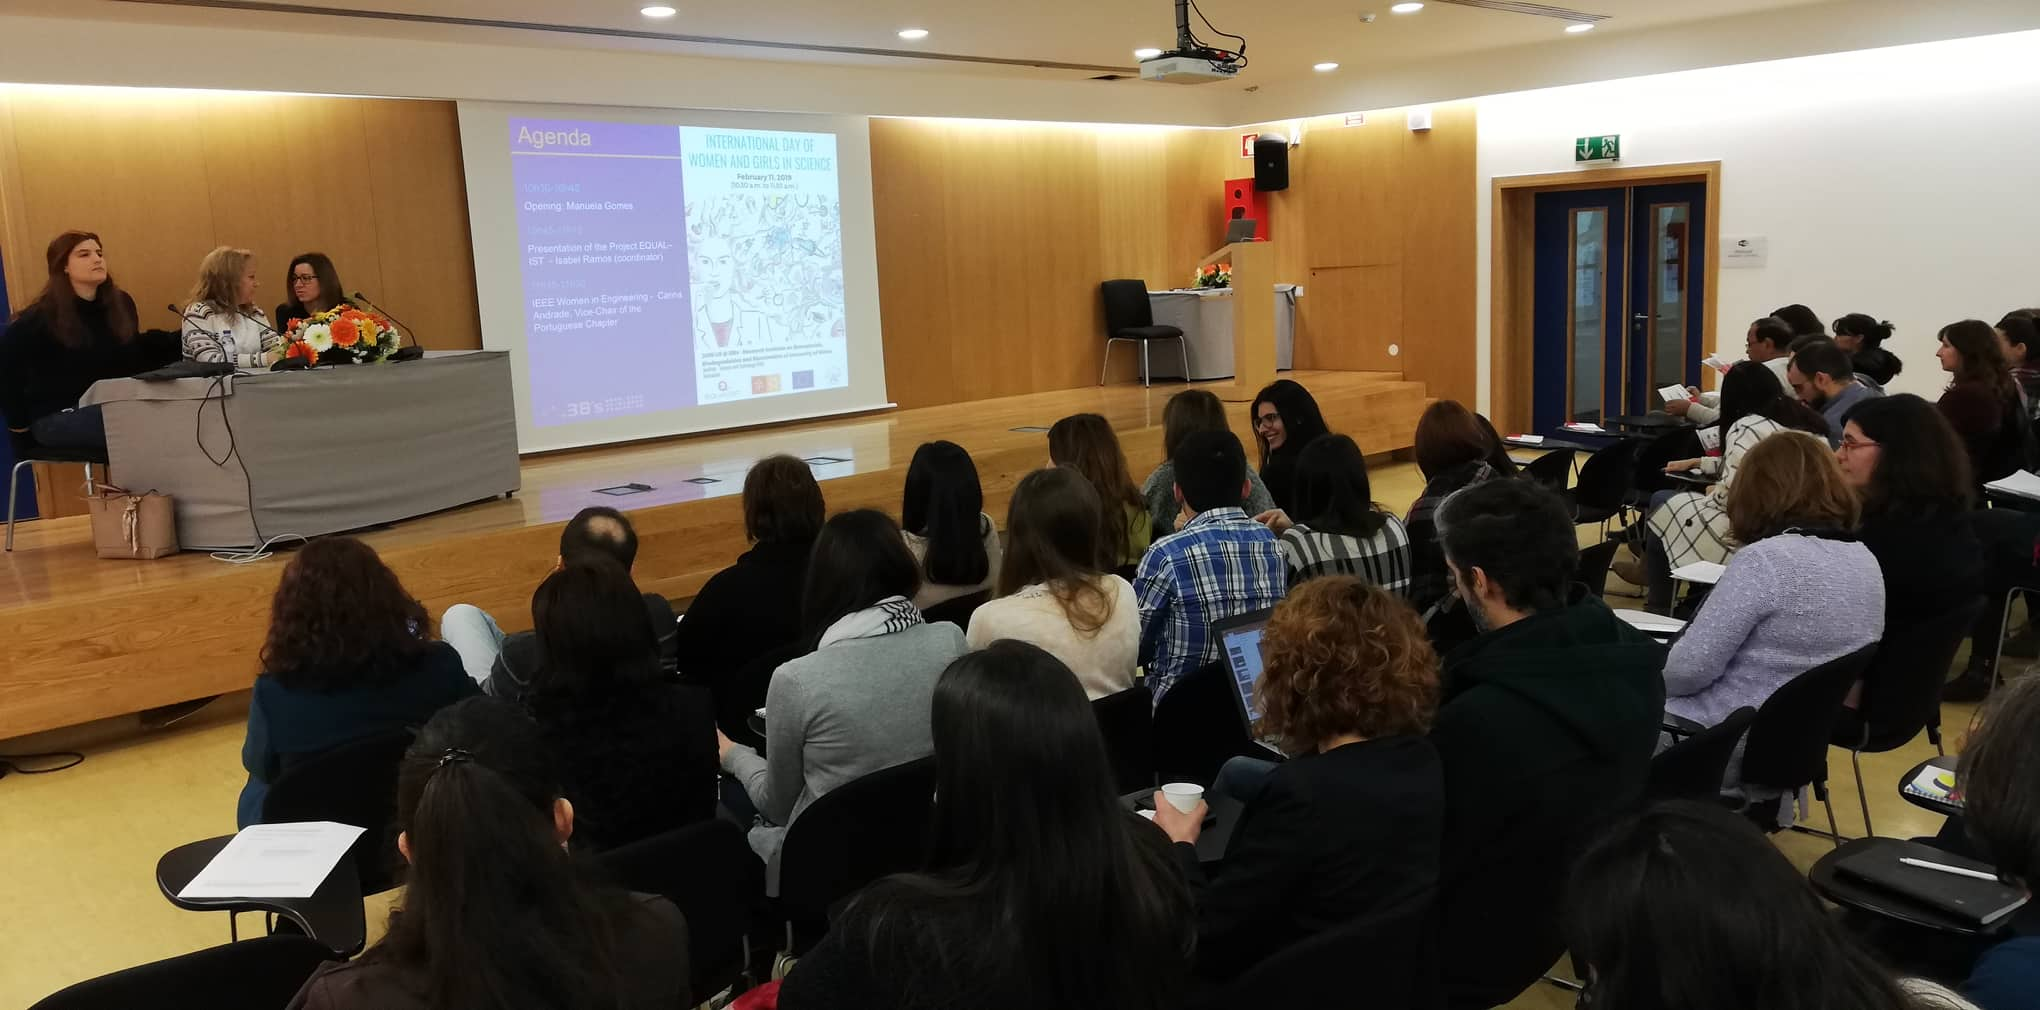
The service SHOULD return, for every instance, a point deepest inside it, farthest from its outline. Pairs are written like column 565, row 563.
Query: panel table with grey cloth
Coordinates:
column 1205, row 317
column 254, row 456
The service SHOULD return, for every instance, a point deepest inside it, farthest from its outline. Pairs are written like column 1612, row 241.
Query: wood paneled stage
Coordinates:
column 87, row 639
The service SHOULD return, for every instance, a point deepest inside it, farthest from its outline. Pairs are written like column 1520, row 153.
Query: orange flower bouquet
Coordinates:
column 1215, row 275
column 343, row 336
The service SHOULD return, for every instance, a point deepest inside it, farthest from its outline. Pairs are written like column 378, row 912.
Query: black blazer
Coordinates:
column 743, row 611
column 1330, row 838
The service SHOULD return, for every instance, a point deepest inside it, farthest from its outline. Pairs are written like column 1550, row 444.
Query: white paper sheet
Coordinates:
column 1716, row 362
column 1705, row 573
column 1649, row 623
column 1674, row 393
column 274, row 861
column 1586, row 426
column 1526, row 439
column 2022, row 483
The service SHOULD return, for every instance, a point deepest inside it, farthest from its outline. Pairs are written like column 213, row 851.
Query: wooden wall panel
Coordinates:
column 1440, row 185
column 419, row 192
column 1358, row 314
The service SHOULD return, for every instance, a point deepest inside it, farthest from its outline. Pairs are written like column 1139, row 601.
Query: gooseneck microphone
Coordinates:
column 392, row 317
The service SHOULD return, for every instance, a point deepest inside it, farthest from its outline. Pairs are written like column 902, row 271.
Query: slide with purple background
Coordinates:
column 665, row 267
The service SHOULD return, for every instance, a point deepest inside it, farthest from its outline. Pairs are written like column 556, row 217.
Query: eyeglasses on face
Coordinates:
column 1857, row 444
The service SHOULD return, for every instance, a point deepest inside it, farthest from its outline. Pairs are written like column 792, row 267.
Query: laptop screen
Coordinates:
column 1240, row 637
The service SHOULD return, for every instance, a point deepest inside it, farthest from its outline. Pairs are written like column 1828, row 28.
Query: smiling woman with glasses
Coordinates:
column 310, row 287
column 1285, row 418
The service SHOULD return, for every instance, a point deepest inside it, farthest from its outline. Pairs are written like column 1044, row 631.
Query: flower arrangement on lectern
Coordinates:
column 1215, row 275
column 344, row 335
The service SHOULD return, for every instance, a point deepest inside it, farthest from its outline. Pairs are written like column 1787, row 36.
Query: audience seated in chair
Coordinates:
column 1799, row 593
column 1453, row 450
column 753, row 606
column 953, row 541
column 1547, row 723
column 1688, row 905
column 1189, row 411
column 1863, row 336
column 1685, row 527
column 1766, row 342
column 2000, row 776
column 1337, row 529
column 1051, row 591
column 1041, row 890
column 1982, row 400
column 1823, row 378
column 1218, row 564
column 496, row 912
column 329, row 678
column 1286, row 419
column 1086, row 443
column 503, row 664
column 636, row 751
column 859, row 701
column 1349, row 827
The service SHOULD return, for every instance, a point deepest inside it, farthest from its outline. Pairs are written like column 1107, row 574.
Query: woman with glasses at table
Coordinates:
column 311, row 286
column 1285, row 418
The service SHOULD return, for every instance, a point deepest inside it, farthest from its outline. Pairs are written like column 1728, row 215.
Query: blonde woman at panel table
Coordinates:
column 223, row 323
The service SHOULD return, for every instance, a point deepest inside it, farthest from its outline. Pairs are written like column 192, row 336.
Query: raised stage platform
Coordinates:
column 87, row 639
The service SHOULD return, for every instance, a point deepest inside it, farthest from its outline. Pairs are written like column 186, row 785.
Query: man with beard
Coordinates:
column 1547, row 726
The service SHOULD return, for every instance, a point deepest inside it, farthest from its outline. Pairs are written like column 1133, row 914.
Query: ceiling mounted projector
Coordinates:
column 1194, row 61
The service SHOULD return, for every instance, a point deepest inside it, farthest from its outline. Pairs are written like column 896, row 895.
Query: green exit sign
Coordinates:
column 1608, row 148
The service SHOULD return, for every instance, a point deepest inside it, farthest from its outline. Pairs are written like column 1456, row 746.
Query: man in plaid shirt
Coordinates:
column 1219, row 564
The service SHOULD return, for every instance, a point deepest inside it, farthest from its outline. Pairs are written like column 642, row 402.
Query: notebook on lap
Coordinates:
column 1240, row 640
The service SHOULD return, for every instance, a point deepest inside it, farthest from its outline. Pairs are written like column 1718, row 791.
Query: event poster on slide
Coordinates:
column 667, row 267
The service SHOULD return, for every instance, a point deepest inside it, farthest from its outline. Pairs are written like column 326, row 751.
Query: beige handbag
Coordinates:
column 134, row 526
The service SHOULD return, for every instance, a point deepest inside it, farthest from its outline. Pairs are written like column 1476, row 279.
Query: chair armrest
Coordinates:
column 1679, row 726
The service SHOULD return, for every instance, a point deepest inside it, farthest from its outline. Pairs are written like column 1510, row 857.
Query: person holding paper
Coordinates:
column 495, row 912
column 1690, row 526
column 1798, row 593
column 1764, row 343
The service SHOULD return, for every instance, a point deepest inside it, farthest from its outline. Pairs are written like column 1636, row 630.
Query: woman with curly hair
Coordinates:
column 350, row 654
column 1349, row 827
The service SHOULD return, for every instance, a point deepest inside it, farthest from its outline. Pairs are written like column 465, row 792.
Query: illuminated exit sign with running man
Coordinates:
column 1608, row 148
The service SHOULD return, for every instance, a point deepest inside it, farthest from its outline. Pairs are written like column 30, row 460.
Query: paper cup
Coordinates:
column 1184, row 796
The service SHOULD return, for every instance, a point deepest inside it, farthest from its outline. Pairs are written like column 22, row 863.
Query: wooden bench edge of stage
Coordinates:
column 74, row 660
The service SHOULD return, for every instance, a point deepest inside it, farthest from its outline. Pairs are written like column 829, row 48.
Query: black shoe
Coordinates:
column 1971, row 685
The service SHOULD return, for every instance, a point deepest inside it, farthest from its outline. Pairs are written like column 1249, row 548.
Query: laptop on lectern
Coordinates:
column 1240, row 229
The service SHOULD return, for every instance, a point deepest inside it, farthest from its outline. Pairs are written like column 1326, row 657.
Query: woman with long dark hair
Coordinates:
column 1285, row 418
column 1187, row 413
column 857, row 702
column 79, row 330
column 1087, row 444
column 636, row 750
column 1051, row 590
column 349, row 655
column 1453, row 449
column 1337, row 528
column 951, row 537
column 1041, row 891
column 1863, row 336
column 1982, row 401
column 310, row 286
column 1690, row 526
column 495, row 914
column 1687, row 906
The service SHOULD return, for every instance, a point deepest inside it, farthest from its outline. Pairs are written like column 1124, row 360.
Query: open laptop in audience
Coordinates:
column 1239, row 638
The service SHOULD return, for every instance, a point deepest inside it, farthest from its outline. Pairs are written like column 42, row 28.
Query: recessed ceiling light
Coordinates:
column 1322, row 67
column 913, row 34
column 1583, row 26
column 1406, row 8
column 1146, row 54
column 657, row 11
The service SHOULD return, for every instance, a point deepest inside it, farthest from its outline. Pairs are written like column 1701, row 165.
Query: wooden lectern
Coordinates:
column 1253, row 317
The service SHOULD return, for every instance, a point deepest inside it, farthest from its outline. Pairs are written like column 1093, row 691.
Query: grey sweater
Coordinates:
column 835, row 715
column 1163, row 508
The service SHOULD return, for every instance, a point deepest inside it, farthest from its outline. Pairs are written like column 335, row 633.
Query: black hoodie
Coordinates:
column 1547, row 726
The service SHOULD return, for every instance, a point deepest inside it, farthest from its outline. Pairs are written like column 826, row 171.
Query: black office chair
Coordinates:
column 1126, row 720
column 1788, row 741
column 1129, row 317
column 354, row 783
column 1602, row 493
column 1197, row 726
column 1592, row 571
column 957, row 611
column 1902, row 690
column 740, row 693
column 26, row 454
column 259, row 974
column 1694, row 767
column 851, row 836
column 1680, row 443
column 710, row 873
column 1553, row 470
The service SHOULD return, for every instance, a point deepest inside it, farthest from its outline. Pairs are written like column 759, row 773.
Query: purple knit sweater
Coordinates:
column 1785, row 605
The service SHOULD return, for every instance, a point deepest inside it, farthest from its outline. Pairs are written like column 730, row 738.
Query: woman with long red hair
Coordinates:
column 81, row 329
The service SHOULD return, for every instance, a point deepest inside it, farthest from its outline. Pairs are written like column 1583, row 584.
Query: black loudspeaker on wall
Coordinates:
column 1271, row 164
